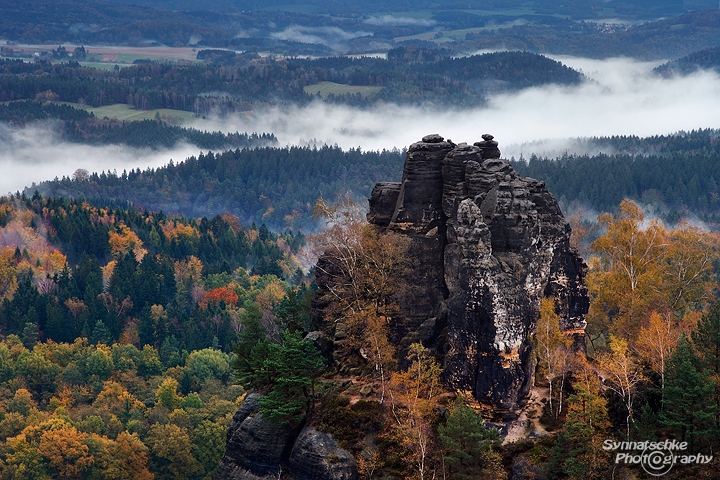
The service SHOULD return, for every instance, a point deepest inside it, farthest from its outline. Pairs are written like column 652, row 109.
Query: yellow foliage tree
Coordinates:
column 627, row 284
column 8, row 273
column 364, row 271
column 656, row 342
column 128, row 459
column 125, row 240
column 643, row 267
column 622, row 373
column 414, row 396
column 553, row 350
column 66, row 451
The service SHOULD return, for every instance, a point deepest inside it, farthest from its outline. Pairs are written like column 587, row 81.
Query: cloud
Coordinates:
column 331, row 36
column 391, row 21
column 35, row 153
column 622, row 97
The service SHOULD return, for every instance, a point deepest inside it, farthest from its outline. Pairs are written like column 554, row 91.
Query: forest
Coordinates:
column 117, row 334
column 708, row 59
column 241, row 82
column 275, row 186
column 675, row 174
column 162, row 315
column 673, row 28
column 139, row 309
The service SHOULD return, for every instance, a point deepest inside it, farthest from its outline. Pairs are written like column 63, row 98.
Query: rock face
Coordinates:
column 258, row 449
column 255, row 446
column 317, row 456
column 490, row 245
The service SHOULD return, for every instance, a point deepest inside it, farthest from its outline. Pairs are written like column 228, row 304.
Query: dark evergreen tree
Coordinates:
column 468, row 445
column 100, row 334
column 688, row 402
column 291, row 369
column 251, row 348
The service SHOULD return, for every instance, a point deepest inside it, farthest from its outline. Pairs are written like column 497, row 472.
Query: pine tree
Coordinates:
column 688, row 403
column 292, row 368
column 100, row 334
column 468, row 445
column 251, row 349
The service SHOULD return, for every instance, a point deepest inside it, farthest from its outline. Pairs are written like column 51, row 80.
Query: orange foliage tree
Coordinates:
column 219, row 294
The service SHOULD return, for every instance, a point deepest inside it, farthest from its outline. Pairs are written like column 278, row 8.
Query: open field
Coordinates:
column 99, row 65
column 121, row 111
column 103, row 54
column 327, row 88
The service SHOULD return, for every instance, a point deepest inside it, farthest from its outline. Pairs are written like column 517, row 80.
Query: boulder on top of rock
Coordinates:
column 488, row 146
column 432, row 138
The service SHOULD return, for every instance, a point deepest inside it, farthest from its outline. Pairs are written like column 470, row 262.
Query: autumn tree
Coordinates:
column 688, row 269
column 656, row 341
column 127, row 457
column 553, row 349
column 171, row 449
column 626, row 282
column 642, row 267
column 221, row 294
column 622, row 374
column 363, row 272
column 8, row 273
column 414, row 396
column 66, row 450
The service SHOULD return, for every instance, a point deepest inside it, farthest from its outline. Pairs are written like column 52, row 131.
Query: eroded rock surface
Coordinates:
column 255, row 446
column 316, row 456
column 258, row 449
column 489, row 246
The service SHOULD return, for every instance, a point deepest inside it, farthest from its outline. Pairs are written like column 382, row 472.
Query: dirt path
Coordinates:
column 529, row 420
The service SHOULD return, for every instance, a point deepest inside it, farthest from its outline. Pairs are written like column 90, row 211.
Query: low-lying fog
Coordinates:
column 623, row 98
column 35, row 153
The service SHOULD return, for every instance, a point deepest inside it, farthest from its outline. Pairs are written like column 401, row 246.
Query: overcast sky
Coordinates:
column 622, row 99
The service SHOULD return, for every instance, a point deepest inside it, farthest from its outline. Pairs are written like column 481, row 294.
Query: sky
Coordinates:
column 621, row 98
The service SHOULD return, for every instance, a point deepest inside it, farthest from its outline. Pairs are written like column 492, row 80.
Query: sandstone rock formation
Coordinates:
column 490, row 245
column 258, row 449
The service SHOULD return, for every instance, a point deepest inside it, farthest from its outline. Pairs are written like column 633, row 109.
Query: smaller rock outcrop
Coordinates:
column 258, row 449
column 316, row 455
column 489, row 147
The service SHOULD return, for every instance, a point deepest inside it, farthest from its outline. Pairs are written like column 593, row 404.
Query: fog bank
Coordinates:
column 621, row 97
column 35, row 153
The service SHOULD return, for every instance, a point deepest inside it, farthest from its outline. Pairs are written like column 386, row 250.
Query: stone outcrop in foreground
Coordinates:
column 490, row 245
column 258, row 449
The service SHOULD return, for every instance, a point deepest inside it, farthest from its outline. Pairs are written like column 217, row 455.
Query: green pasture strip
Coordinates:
column 121, row 111
column 99, row 65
